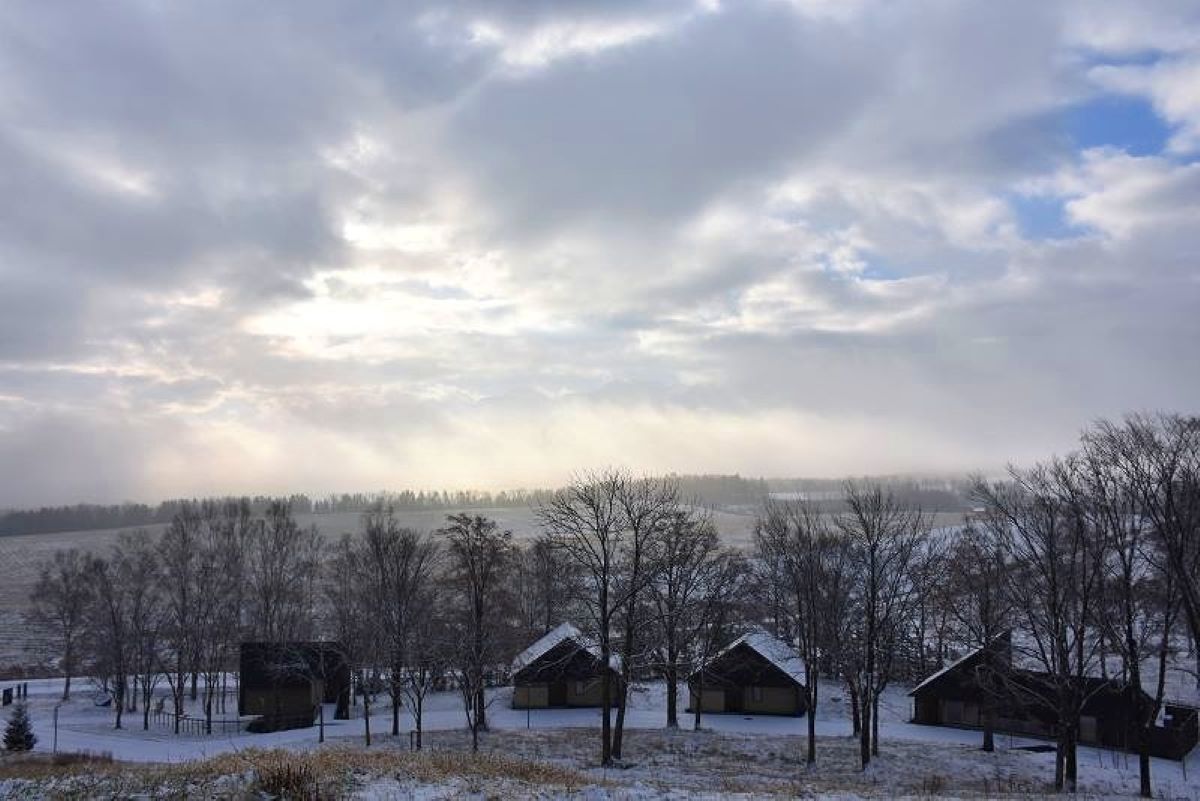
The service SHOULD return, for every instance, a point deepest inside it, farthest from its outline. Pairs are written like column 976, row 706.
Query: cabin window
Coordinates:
column 580, row 687
column 954, row 711
column 756, row 693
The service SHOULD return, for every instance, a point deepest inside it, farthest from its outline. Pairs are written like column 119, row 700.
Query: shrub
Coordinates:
column 294, row 780
column 19, row 734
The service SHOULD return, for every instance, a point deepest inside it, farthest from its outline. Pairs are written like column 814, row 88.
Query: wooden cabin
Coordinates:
column 958, row 694
column 755, row 674
column 563, row 669
column 283, row 683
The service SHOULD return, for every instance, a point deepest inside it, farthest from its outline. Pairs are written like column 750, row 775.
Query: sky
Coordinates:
column 309, row 246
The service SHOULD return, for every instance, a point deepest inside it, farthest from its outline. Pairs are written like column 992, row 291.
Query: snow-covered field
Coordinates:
column 737, row 752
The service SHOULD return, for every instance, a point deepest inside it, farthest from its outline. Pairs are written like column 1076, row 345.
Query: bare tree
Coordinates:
column 1139, row 587
column 1159, row 459
column 1053, row 582
column 399, row 563
column 977, row 574
column 932, row 611
column 721, row 587
column 282, row 563
column 428, row 656
column 809, row 563
column 480, row 557
column 60, row 600
column 179, row 553
column 685, row 555
column 648, row 506
column 884, row 537
column 109, row 629
column 548, row 582
column 584, row 521
column 351, row 604
column 139, row 575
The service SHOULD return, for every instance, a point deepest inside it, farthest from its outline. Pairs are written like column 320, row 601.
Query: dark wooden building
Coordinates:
column 283, row 683
column 958, row 695
column 756, row 674
column 562, row 669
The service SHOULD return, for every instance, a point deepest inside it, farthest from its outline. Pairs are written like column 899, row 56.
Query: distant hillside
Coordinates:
column 943, row 494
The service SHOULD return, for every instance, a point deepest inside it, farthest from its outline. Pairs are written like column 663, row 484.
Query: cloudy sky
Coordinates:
column 351, row 246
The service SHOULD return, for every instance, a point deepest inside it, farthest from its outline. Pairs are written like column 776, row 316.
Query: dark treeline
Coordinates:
column 709, row 490
column 93, row 517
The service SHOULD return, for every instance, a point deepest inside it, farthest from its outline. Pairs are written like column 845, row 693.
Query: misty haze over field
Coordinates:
column 325, row 247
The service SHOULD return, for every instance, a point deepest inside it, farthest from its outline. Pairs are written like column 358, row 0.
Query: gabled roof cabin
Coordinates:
column 756, row 674
column 563, row 669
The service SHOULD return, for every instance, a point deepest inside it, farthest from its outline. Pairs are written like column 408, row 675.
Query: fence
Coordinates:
column 197, row 725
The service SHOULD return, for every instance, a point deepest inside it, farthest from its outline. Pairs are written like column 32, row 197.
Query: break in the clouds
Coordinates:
column 307, row 246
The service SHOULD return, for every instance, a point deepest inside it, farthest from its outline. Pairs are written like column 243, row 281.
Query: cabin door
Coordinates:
column 734, row 699
column 558, row 693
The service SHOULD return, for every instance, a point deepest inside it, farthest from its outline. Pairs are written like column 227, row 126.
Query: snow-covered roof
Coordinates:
column 1179, row 685
column 934, row 677
column 772, row 649
column 560, row 633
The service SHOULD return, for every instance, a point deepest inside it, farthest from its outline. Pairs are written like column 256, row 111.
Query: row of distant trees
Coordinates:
column 715, row 490
column 719, row 491
column 1093, row 557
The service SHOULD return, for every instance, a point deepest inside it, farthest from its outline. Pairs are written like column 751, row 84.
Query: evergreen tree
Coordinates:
column 19, row 734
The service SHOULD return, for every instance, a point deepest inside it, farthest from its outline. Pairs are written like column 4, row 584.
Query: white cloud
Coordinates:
column 495, row 242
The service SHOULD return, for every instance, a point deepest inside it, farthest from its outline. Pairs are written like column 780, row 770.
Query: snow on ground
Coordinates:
column 754, row 744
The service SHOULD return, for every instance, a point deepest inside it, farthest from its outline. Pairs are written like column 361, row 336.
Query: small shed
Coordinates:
column 563, row 669
column 284, row 682
column 756, row 674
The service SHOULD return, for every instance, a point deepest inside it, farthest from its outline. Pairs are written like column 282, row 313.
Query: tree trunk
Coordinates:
column 1060, row 754
column 855, row 714
column 864, row 739
column 481, row 705
column 698, row 701
column 366, row 712
column 1144, row 764
column 619, row 728
column 395, row 713
column 672, row 695
column 810, row 758
column 605, row 698
column 66, row 696
column 418, row 709
column 875, row 726
column 119, row 702
column 989, row 717
column 1072, row 767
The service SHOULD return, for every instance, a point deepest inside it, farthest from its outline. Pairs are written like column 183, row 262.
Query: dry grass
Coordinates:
column 37, row 765
column 558, row 762
column 327, row 773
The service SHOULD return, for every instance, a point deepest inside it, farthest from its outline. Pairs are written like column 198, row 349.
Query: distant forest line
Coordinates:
column 717, row 491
